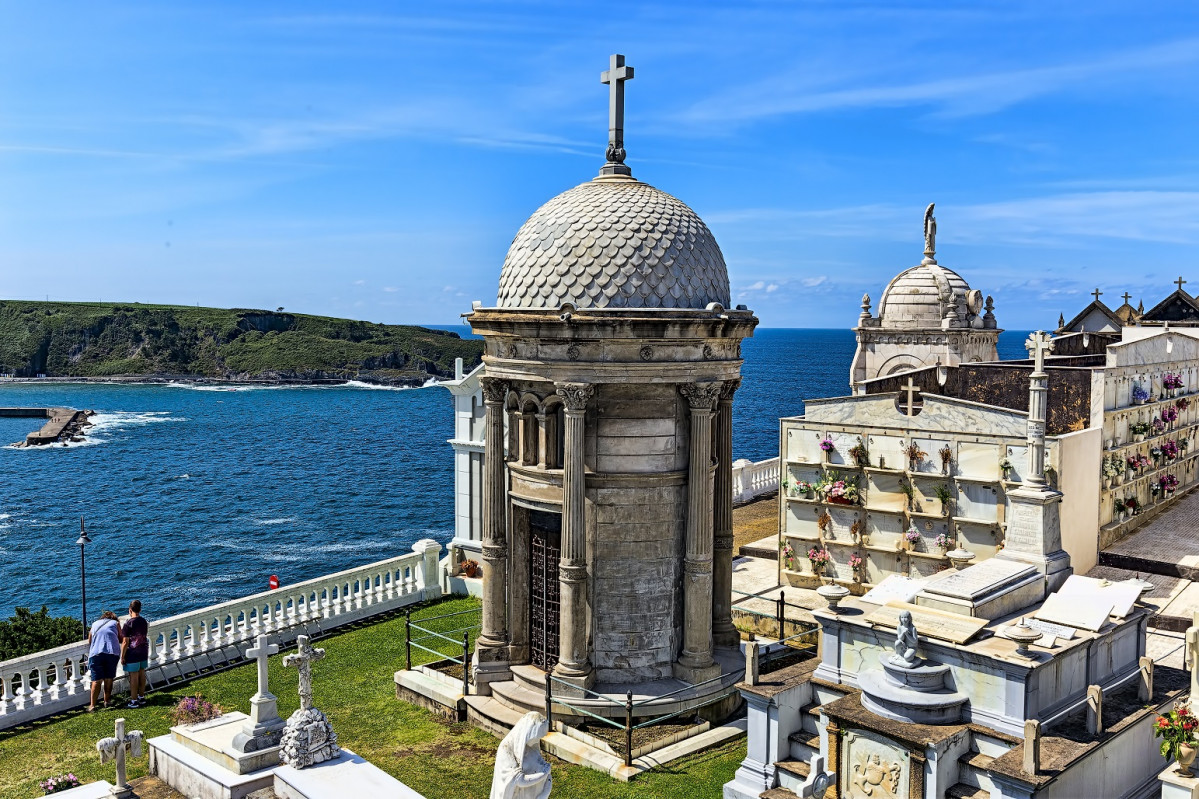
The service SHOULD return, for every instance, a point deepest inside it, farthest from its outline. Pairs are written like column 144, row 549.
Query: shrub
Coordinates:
column 193, row 710
column 26, row 632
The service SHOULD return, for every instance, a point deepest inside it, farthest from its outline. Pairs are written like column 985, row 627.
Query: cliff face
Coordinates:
column 93, row 340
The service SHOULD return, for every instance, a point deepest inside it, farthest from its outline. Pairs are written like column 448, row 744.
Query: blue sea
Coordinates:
column 197, row 494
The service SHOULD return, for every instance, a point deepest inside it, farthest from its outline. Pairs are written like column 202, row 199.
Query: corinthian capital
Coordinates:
column 701, row 395
column 575, row 396
column 494, row 389
column 728, row 389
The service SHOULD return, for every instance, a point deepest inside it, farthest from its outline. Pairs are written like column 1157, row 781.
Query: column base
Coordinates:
column 122, row 793
column 695, row 674
column 485, row 671
column 576, row 684
column 728, row 637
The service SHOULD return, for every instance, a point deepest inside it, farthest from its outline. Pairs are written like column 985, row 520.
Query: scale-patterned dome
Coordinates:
column 614, row 242
column 919, row 297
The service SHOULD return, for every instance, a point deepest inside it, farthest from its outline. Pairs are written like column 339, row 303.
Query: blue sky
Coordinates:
column 374, row 160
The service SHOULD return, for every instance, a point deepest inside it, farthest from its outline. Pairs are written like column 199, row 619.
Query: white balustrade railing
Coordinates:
column 754, row 479
column 43, row 683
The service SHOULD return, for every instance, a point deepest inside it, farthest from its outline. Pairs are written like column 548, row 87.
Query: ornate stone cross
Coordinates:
column 1038, row 344
column 303, row 659
column 615, row 76
column 1096, row 294
column 1179, row 282
column 113, row 749
column 911, row 389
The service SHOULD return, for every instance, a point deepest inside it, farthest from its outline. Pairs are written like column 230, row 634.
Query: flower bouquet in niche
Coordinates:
column 1158, row 426
column 1111, row 470
column 788, row 556
column 1118, row 510
column 911, row 538
column 944, row 542
column 827, row 446
column 915, row 455
column 1155, row 453
column 802, row 489
column 859, row 453
column 1171, row 382
column 1139, row 395
column 857, row 565
column 1169, row 484
column 1131, row 505
column 1170, row 415
column 1139, row 430
column 1182, row 403
column 1177, row 731
column 820, row 559
column 1170, row 450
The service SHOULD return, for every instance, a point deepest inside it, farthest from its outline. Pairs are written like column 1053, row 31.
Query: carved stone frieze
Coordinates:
column 492, row 552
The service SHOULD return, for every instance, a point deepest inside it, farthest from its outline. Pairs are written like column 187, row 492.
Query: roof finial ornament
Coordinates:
column 930, row 235
column 615, row 76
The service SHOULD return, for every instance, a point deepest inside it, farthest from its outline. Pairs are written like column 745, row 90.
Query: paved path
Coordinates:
column 1167, row 545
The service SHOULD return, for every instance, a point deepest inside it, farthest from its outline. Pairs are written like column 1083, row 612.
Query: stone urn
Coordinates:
column 1022, row 635
column 1186, row 756
column 833, row 594
column 959, row 557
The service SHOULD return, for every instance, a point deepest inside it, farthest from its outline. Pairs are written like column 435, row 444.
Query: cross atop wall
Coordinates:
column 911, row 389
column 1179, row 282
column 1039, row 344
column 1096, row 294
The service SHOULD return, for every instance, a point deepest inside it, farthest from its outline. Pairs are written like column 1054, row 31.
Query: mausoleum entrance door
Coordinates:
column 545, row 549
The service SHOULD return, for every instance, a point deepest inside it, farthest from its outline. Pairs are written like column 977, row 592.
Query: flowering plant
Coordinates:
column 1142, row 461
column 1170, row 449
column 1155, row 452
column 1005, row 466
column 1111, row 467
column 1169, row 482
column 788, row 556
column 914, row 453
column 1182, row 403
column 1118, row 506
column 1175, row 729
column 945, row 541
column 1171, row 381
column 1169, row 413
column 1139, row 394
column 1139, row 428
column 1131, row 504
column 912, row 535
column 802, row 488
column 819, row 558
column 193, row 710
column 63, row 782
column 839, row 489
column 859, row 453
column 1158, row 424
column 827, row 445
column 855, row 561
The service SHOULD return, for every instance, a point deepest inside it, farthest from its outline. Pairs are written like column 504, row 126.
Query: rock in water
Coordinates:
column 308, row 739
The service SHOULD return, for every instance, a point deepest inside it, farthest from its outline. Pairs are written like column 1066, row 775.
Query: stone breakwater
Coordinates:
column 63, row 425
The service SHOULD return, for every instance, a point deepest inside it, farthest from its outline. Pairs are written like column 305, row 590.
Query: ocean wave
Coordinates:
column 430, row 383
column 280, row 520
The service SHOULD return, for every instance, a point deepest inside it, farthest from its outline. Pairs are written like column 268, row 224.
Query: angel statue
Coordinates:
column 906, row 641
column 520, row 770
column 930, row 231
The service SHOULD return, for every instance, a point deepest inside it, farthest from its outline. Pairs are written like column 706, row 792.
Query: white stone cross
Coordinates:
column 911, row 389
column 303, row 659
column 114, row 749
column 615, row 76
column 263, row 650
column 1038, row 345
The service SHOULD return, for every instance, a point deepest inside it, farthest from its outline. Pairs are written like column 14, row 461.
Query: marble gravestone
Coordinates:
column 308, row 737
column 264, row 728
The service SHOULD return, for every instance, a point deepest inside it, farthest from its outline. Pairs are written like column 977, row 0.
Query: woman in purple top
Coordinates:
column 135, row 653
column 103, row 652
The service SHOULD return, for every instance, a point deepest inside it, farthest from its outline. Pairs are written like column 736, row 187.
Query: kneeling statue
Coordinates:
column 906, row 641
column 520, row 770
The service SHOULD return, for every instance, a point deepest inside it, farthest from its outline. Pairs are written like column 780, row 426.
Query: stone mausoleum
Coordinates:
column 610, row 364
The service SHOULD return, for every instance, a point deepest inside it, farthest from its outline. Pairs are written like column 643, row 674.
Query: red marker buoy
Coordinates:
column 274, row 582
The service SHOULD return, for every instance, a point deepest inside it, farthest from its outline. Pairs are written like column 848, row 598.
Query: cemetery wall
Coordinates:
column 1078, row 460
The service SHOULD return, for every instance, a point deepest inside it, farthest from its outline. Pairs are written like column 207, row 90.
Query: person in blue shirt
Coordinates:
column 103, row 654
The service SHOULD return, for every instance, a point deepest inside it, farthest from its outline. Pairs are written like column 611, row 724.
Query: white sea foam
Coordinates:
column 353, row 384
column 280, row 520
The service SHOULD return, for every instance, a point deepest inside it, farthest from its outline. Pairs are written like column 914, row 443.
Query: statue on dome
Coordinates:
column 930, row 231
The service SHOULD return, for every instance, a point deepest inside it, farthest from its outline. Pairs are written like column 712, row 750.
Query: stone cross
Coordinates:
column 263, row 728
column 1127, row 297
column 303, row 659
column 263, row 650
column 1039, row 344
column 615, row 76
column 114, row 748
column 1179, row 282
column 911, row 389
column 1096, row 294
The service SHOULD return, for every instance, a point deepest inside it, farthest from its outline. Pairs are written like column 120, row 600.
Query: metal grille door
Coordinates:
column 544, row 553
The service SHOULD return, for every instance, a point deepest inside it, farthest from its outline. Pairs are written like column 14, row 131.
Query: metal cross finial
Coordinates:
column 1096, row 294
column 615, row 76
column 303, row 659
column 1127, row 297
column 1179, row 282
column 911, row 389
column 1038, row 345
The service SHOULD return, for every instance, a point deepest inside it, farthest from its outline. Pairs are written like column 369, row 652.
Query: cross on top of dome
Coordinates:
column 615, row 76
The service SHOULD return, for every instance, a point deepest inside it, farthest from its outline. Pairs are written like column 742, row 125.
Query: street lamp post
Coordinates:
column 82, row 541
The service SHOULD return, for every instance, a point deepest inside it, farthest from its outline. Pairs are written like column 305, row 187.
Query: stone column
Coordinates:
column 574, row 665
column 492, row 645
column 723, row 631
column 695, row 664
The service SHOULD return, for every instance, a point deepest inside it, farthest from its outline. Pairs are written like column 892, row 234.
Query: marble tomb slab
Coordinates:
column 1122, row 595
column 930, row 623
column 981, row 579
column 1070, row 611
column 989, row 590
column 346, row 776
column 896, row 587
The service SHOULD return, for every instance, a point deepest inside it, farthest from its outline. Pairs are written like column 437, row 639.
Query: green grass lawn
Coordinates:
column 354, row 685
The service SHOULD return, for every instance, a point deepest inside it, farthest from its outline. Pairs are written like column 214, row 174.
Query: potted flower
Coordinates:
column 1169, row 483
column 855, row 530
column 63, row 782
column 911, row 538
column 1170, row 415
column 469, row 567
column 1005, row 466
column 1177, row 731
column 860, row 455
column 1170, row 450
column 945, row 496
column 1158, row 426
column 827, row 446
column 1182, row 403
column 788, row 556
column 1171, row 382
column 1131, row 505
column 915, row 455
column 944, row 542
column 1118, row 510
column 824, row 523
column 946, row 458
column 841, row 492
column 1110, row 472
column 1139, row 431
column 1117, row 469
column 819, row 558
column 1139, row 395
column 908, row 492
column 856, row 564
column 1155, row 453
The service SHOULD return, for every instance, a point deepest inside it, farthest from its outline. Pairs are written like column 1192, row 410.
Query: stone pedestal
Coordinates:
column 263, row 728
column 308, row 739
column 914, row 694
column 1175, row 786
column 1034, row 533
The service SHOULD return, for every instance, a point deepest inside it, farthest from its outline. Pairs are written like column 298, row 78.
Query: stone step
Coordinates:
column 964, row 791
column 492, row 715
column 792, row 773
column 530, row 678
column 804, row 744
column 972, row 771
column 778, row 793
column 518, row 697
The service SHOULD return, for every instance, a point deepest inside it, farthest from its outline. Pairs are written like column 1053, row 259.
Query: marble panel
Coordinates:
column 886, row 451
column 980, row 539
column 925, row 567
column 800, row 520
column 978, row 501
column 978, row 461
column 842, row 444
column 803, row 445
column 843, row 519
column 1018, row 455
column 884, row 529
column 881, row 565
column 883, row 492
column 840, row 552
column 932, row 461
column 873, row 767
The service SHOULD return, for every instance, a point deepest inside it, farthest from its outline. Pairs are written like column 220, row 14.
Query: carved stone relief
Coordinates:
column 873, row 767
